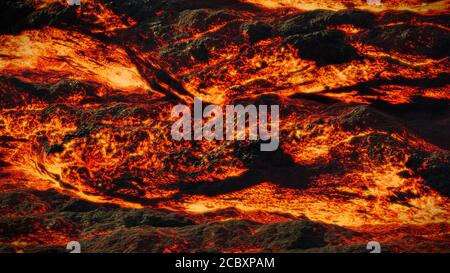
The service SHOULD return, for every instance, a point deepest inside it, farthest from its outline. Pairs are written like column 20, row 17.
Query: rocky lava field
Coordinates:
column 86, row 153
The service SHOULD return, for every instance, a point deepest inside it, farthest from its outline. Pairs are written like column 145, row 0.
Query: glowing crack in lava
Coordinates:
column 374, row 5
column 85, row 117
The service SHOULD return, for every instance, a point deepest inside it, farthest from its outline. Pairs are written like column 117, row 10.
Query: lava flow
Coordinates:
column 86, row 151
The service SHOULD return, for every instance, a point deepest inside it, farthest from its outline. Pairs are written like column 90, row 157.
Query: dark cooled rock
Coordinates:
column 358, row 18
column 324, row 47
column 11, row 12
column 109, row 217
column 46, row 249
column 210, row 237
column 143, row 9
column 202, row 19
column 425, row 40
column 57, row 109
column 7, row 249
column 78, row 205
column 14, row 92
column 23, row 226
column 433, row 168
column 199, row 50
column 155, row 218
column 61, row 90
column 319, row 19
column 251, row 154
column 23, row 213
column 147, row 31
column 363, row 117
column 304, row 22
column 381, row 148
column 137, row 9
column 187, row 51
column 256, row 31
column 292, row 235
column 21, row 203
column 18, row 15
